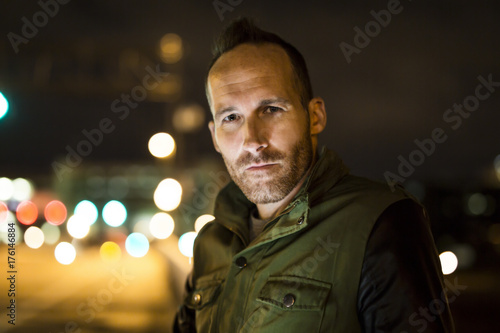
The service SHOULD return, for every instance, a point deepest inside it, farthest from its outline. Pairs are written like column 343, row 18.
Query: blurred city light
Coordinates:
column 188, row 118
column 137, row 245
column 114, row 213
column 23, row 190
column 186, row 243
column 51, row 233
column 55, row 212
column 110, row 252
column 477, row 204
column 26, row 212
column 3, row 212
column 65, row 253
column 87, row 211
column 77, row 227
column 202, row 220
column 6, row 189
column 161, row 225
column 496, row 164
column 4, row 105
column 34, row 237
column 142, row 226
column 168, row 194
column 161, row 145
column 449, row 262
column 171, row 48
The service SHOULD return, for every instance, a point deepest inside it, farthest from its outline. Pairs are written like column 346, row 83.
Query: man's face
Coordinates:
column 260, row 127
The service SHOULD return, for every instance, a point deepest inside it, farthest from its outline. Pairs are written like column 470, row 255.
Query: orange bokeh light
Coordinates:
column 55, row 212
column 3, row 212
column 27, row 212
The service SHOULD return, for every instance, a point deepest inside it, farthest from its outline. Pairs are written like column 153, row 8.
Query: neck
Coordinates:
column 271, row 210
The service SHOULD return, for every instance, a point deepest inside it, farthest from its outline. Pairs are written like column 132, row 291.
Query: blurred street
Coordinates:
column 133, row 295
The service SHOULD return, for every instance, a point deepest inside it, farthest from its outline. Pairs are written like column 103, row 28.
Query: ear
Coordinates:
column 211, row 126
column 317, row 115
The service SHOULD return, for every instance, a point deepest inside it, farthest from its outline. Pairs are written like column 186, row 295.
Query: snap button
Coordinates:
column 301, row 220
column 289, row 300
column 241, row 262
column 197, row 298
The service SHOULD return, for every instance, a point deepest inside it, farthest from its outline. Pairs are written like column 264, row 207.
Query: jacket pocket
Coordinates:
column 286, row 303
column 203, row 299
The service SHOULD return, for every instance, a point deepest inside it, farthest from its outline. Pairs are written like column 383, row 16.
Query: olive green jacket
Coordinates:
column 302, row 273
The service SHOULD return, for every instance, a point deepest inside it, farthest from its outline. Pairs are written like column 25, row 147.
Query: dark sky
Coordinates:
column 396, row 88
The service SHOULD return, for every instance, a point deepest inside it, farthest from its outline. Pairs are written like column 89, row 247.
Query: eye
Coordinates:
column 272, row 109
column 232, row 117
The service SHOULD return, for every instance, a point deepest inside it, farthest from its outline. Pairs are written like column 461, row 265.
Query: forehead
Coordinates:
column 250, row 66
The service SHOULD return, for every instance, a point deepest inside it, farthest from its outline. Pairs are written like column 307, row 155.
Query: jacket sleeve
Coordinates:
column 184, row 321
column 401, row 287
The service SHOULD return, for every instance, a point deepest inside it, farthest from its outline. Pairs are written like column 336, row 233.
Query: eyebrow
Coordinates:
column 264, row 102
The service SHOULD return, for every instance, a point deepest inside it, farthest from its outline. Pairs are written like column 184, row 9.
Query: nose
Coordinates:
column 256, row 136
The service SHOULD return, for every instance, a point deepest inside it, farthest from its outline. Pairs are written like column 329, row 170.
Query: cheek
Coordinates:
column 229, row 143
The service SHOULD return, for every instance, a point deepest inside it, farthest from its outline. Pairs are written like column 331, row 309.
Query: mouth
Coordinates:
column 260, row 166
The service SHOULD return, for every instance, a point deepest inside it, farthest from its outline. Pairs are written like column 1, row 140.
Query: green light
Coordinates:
column 4, row 105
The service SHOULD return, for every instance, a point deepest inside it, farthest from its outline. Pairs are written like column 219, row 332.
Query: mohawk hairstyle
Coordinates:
column 243, row 30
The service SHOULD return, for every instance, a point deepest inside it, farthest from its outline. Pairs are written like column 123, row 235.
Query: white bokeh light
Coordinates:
column 77, row 227
column 51, row 233
column 202, row 220
column 33, row 237
column 87, row 211
column 23, row 190
column 6, row 189
column 449, row 262
column 161, row 225
column 114, row 213
column 186, row 243
column 65, row 253
column 168, row 194
column 161, row 145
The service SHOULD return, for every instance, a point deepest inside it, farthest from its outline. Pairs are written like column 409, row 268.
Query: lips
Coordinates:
column 260, row 166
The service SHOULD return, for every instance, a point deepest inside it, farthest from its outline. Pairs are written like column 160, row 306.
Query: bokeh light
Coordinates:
column 26, row 212
column 87, row 211
column 188, row 118
column 4, row 105
column 496, row 164
column 161, row 145
column 161, row 225
column 186, row 243
column 34, row 237
column 55, row 212
column 137, row 245
column 77, row 227
column 65, row 253
column 171, row 48
column 23, row 190
column 110, row 252
column 6, row 189
column 51, row 233
column 449, row 262
column 477, row 204
column 168, row 194
column 3, row 212
column 202, row 220
column 114, row 213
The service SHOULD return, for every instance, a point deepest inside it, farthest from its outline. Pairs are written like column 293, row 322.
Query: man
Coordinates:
column 299, row 244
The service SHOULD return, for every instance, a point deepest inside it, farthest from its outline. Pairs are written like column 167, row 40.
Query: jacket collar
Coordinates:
column 232, row 208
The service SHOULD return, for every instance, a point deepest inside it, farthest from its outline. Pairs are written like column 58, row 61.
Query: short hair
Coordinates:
column 244, row 31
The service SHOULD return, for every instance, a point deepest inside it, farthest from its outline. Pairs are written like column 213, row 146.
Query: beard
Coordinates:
column 271, row 185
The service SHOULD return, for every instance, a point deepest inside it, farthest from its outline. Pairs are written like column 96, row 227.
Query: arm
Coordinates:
column 401, row 286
